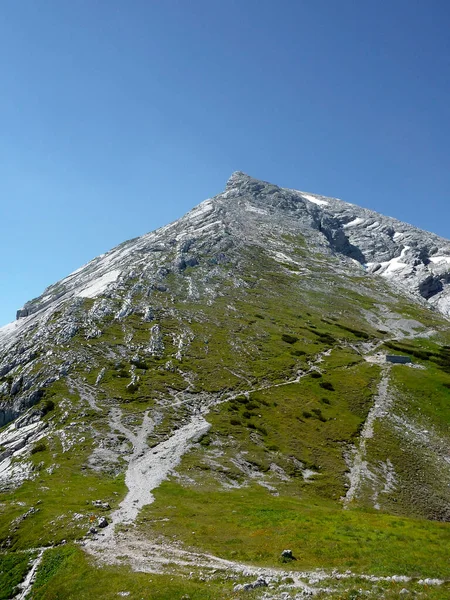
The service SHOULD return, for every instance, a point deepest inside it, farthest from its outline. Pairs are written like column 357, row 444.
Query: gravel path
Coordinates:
column 27, row 583
column 149, row 467
column 359, row 469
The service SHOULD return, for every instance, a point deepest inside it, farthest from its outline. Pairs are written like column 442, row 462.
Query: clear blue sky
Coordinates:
column 117, row 117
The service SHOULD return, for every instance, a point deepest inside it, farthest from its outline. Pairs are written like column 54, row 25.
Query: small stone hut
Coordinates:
column 398, row 359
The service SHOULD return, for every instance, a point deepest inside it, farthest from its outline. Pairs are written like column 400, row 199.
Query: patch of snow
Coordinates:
column 395, row 264
column 99, row 285
column 354, row 223
column 436, row 259
column 314, row 200
column 397, row 236
column 374, row 225
column 388, row 267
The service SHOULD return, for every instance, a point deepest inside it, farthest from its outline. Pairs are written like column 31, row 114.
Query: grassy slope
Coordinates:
column 260, row 336
column 67, row 574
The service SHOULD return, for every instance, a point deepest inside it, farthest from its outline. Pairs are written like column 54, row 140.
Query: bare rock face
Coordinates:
column 408, row 257
column 249, row 213
column 270, row 338
column 403, row 254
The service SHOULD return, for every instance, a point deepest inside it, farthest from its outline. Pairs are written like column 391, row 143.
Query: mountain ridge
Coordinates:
column 341, row 229
column 200, row 398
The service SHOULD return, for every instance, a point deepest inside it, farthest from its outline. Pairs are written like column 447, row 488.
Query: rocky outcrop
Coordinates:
column 208, row 245
column 405, row 255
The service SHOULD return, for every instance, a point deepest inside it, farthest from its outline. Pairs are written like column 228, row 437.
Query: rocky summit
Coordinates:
column 250, row 402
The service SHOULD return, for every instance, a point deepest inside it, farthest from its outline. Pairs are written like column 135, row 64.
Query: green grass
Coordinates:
column 257, row 336
column 427, row 393
column 66, row 573
column 13, row 568
column 255, row 527
column 61, row 484
column 299, row 422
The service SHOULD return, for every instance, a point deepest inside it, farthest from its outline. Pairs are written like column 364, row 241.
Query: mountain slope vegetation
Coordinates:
column 183, row 410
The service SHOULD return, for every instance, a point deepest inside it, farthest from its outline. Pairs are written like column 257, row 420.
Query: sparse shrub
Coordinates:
column 318, row 413
column 251, row 425
column 326, row 338
column 316, row 375
column 325, row 400
column 41, row 447
column 259, row 316
column 289, row 339
column 47, row 406
column 296, row 352
column 356, row 332
column 273, row 448
column 242, row 399
column 235, row 422
column 261, row 429
column 247, row 415
column 327, row 385
column 306, row 414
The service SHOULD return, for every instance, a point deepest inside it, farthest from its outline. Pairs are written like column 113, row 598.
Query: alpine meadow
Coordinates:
column 252, row 402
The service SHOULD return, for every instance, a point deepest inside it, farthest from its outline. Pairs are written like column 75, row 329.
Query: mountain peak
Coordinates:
column 237, row 178
column 243, row 351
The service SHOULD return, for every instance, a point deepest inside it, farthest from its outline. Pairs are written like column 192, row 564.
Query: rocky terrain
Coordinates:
column 207, row 411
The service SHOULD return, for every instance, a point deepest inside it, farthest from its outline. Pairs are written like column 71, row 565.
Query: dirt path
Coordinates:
column 27, row 583
column 359, row 469
column 85, row 391
column 146, row 556
column 148, row 467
